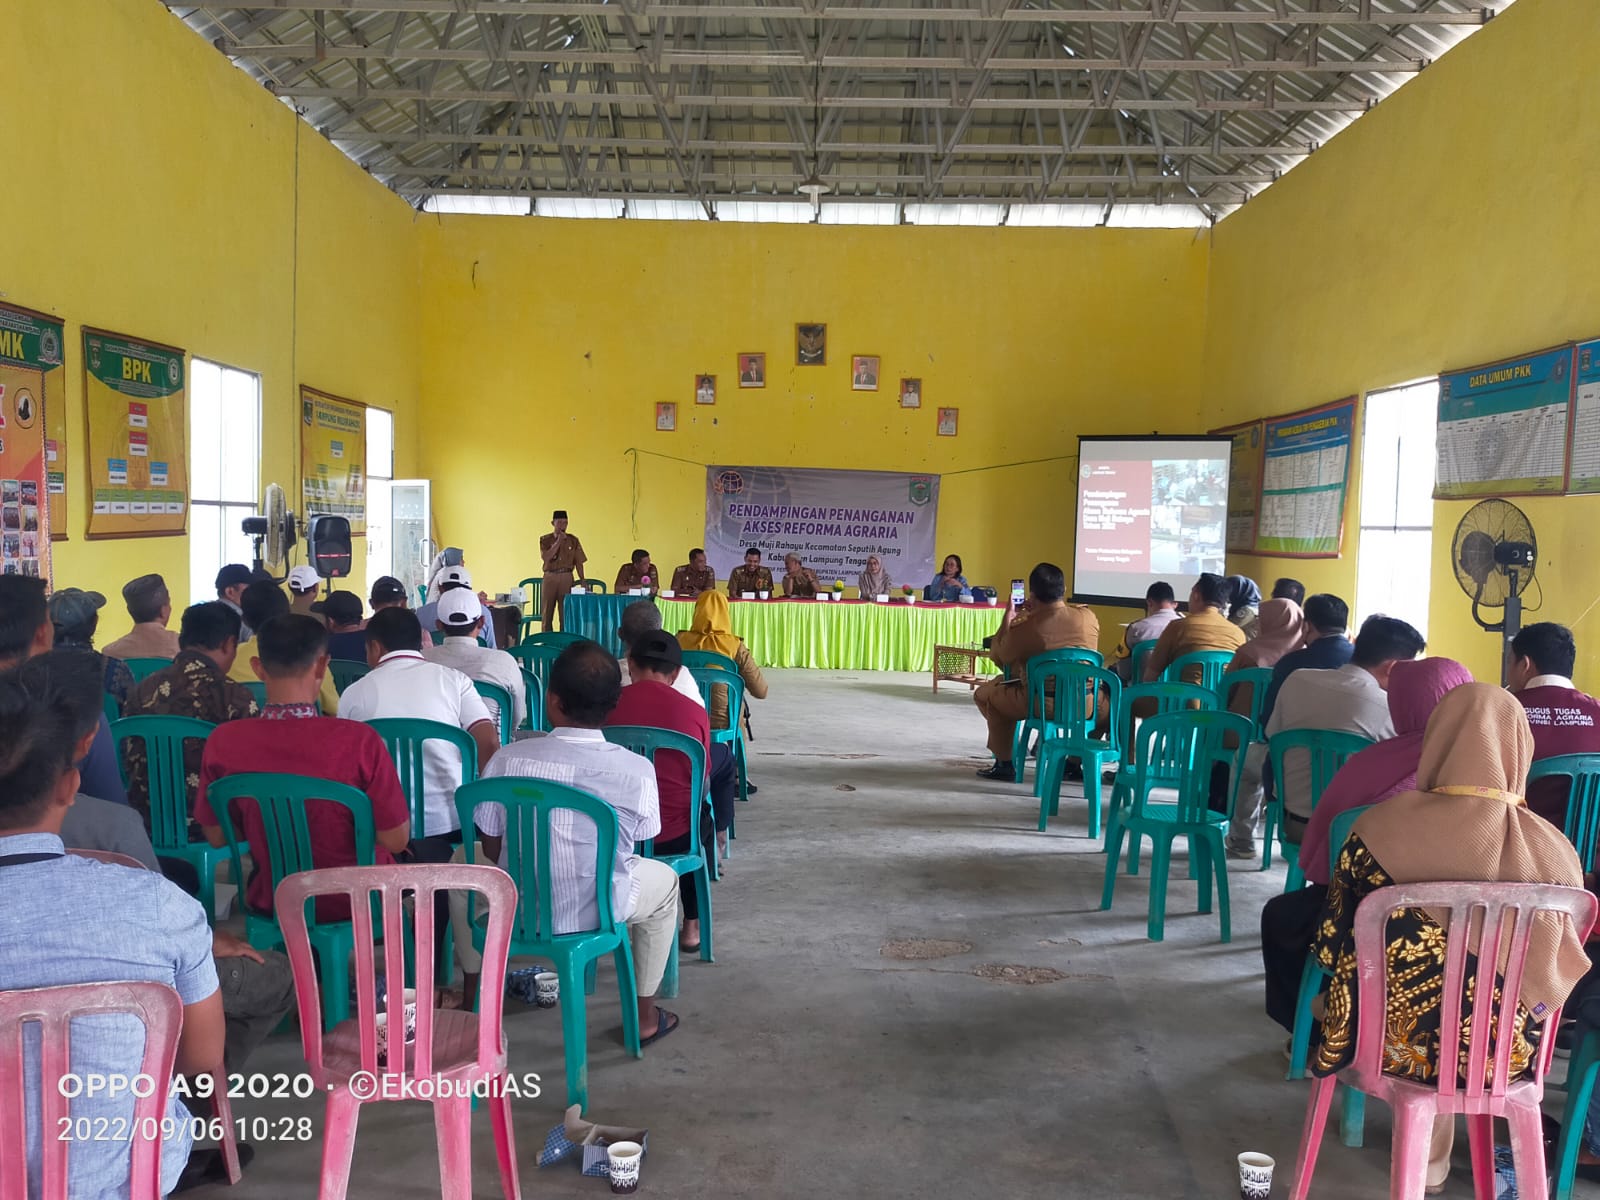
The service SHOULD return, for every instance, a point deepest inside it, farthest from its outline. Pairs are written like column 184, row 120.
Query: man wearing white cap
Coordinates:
column 459, row 616
column 303, row 584
column 450, row 572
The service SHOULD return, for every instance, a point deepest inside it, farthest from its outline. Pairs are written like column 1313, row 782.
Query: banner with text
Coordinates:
column 1503, row 428
column 1304, row 482
column 1583, row 452
column 1244, row 485
column 134, row 395
column 333, row 456
column 30, row 353
column 831, row 519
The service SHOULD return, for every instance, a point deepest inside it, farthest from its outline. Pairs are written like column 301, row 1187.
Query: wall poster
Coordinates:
column 1304, row 480
column 1503, row 428
column 1244, row 485
column 30, row 385
column 333, row 458
column 134, row 396
column 1583, row 454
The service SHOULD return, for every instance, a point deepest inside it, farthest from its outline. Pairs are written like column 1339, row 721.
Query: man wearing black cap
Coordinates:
column 563, row 558
column 231, row 583
column 387, row 592
column 650, row 699
column 347, row 637
column 75, row 614
column 150, row 605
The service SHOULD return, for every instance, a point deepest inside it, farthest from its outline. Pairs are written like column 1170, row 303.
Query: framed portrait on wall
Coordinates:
column 864, row 372
column 811, row 345
column 911, row 393
column 752, row 370
column 705, row 389
column 947, row 421
column 667, row 417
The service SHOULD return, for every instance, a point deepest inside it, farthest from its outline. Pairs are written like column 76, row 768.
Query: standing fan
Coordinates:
column 275, row 533
column 1494, row 554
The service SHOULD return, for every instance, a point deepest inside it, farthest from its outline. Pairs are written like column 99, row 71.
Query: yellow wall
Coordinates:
column 1452, row 225
column 153, row 191
column 549, row 343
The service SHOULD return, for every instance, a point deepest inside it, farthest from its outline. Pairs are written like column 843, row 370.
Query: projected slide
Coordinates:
column 1148, row 509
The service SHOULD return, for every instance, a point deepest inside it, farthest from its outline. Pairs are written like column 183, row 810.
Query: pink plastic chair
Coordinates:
column 1508, row 909
column 457, row 1048
column 53, row 1009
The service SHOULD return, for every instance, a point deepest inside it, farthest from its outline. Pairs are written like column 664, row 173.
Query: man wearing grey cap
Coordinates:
column 231, row 583
column 150, row 605
column 75, row 614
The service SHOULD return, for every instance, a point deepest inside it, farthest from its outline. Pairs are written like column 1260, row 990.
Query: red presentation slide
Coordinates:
column 1114, row 518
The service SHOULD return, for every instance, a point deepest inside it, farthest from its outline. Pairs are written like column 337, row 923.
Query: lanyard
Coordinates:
column 16, row 860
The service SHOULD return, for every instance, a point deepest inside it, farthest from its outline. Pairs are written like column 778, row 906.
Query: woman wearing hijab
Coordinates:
column 874, row 580
column 712, row 629
column 1467, row 821
column 1244, row 603
column 949, row 583
column 1289, row 922
column 1281, row 629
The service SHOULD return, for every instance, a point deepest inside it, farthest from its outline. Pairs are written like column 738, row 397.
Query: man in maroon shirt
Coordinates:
column 1564, row 720
column 650, row 699
column 289, row 736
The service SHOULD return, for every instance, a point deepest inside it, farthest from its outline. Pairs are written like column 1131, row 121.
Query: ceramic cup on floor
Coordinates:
column 1255, row 1175
column 622, row 1160
column 547, row 989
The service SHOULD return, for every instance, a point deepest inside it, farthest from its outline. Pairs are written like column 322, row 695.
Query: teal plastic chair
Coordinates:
column 1583, row 801
column 709, row 659
column 1138, row 652
column 163, row 739
column 1581, row 1072
column 143, row 668
column 595, row 587
column 281, row 800
column 533, row 694
column 535, row 597
column 1036, row 722
column 1257, row 679
column 1329, row 750
column 707, row 679
column 1075, row 734
column 345, row 671
column 1187, row 744
column 406, row 739
column 530, row 804
column 536, row 656
column 1166, row 698
column 111, row 709
column 648, row 741
column 1312, row 976
column 1212, row 664
column 501, row 699
column 258, row 689
column 558, row 638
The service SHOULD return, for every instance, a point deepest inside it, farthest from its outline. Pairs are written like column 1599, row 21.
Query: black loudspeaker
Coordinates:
column 329, row 538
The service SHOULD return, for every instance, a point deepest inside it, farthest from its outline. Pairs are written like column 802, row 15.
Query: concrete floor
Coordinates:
column 810, row 1064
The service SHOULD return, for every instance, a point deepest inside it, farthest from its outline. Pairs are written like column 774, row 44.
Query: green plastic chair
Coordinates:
column 163, row 739
column 536, row 582
column 407, row 739
column 258, row 689
column 1312, row 976
column 557, row 638
column 648, row 741
column 1187, row 744
column 1075, row 735
column 1583, row 801
column 536, row 656
column 1581, row 1073
column 1212, row 664
column 1257, row 680
column 595, row 587
column 143, row 668
column 1036, row 722
column 345, row 671
column 112, row 711
column 281, row 800
column 709, row 659
column 533, row 694
column 530, row 804
column 707, row 679
column 1167, row 698
column 1329, row 750
column 501, row 699
column 1138, row 652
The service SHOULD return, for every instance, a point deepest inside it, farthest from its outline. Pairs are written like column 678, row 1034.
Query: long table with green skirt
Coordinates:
column 846, row 635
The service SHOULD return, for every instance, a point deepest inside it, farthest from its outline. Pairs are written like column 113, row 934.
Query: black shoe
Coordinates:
column 208, row 1166
column 750, row 789
column 1074, row 770
column 1001, row 772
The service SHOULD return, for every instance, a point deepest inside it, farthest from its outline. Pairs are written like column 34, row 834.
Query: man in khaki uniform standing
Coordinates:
column 563, row 558
column 1045, row 622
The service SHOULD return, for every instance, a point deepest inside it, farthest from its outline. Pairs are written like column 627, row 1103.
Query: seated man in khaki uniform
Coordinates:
column 563, row 557
column 1205, row 628
column 695, row 576
column 799, row 579
column 752, row 577
column 636, row 573
column 1045, row 622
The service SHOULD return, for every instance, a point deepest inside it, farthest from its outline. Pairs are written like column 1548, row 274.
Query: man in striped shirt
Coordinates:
column 585, row 685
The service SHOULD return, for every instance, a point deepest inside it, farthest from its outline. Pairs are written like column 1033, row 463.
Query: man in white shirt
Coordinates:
column 1160, row 610
column 459, row 616
column 585, row 684
column 638, row 619
column 1349, row 699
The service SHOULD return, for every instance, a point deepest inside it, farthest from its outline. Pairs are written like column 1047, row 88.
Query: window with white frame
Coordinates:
column 1397, row 459
column 224, row 469
column 380, row 475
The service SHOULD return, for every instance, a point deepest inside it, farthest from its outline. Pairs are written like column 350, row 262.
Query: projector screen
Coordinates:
column 1149, row 508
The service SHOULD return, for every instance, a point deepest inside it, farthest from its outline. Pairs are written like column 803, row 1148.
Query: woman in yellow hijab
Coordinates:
column 712, row 629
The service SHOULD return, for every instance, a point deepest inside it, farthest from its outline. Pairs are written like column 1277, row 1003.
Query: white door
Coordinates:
column 410, row 546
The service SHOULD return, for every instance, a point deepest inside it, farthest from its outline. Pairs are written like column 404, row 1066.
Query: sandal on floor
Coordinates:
column 686, row 948
column 665, row 1023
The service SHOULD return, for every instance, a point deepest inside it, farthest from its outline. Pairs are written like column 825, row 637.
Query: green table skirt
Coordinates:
column 848, row 635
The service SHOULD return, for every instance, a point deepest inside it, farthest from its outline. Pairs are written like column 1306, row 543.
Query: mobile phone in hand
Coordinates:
column 1018, row 593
